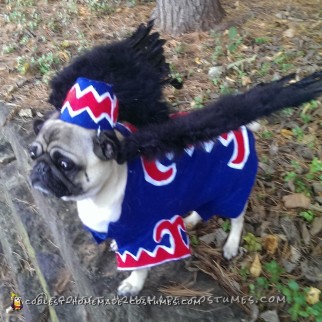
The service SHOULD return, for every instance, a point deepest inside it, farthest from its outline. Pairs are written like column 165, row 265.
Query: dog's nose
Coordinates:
column 43, row 168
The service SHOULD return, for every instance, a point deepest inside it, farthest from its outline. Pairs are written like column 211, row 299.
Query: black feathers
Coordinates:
column 135, row 67
column 137, row 70
column 228, row 113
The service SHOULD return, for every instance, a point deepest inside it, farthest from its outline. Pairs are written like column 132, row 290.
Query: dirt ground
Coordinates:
column 257, row 41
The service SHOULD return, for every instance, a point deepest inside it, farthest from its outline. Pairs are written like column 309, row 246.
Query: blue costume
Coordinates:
column 212, row 178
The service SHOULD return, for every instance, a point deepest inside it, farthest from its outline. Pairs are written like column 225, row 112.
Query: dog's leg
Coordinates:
column 192, row 220
column 232, row 244
column 132, row 285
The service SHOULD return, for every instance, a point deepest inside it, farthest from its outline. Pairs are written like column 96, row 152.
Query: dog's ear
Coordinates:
column 38, row 123
column 106, row 145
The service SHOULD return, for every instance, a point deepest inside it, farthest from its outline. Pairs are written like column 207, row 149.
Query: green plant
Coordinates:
column 234, row 40
column 7, row 49
column 261, row 40
column 288, row 112
column 244, row 272
column 198, row 101
column 100, row 6
column 296, row 165
column 194, row 240
column 299, row 308
column 21, row 3
column 306, row 118
column 316, row 311
column 16, row 17
column 283, row 59
column 259, row 287
column 175, row 74
column 315, row 169
column 226, row 226
column 274, row 270
column 45, row 63
column 225, row 90
column 264, row 70
column 179, row 49
column 22, row 65
column 252, row 243
column 298, row 133
column 218, row 52
column 307, row 215
column 266, row 134
column 24, row 40
column 301, row 185
column 290, row 176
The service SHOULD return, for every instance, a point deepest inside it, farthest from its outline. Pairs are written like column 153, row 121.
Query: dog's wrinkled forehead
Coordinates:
column 59, row 135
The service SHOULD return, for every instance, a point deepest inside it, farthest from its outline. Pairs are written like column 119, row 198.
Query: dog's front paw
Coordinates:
column 132, row 285
column 231, row 248
column 126, row 288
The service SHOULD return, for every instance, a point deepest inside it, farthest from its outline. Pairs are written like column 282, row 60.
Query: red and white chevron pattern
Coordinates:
column 97, row 106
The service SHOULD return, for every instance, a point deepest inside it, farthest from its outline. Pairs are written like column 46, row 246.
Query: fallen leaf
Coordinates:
column 270, row 243
column 286, row 133
column 82, row 11
column 289, row 33
column 291, row 258
column 65, row 44
column 295, row 254
column 197, row 61
column 256, row 267
column 215, row 72
column 296, row 200
column 317, row 187
column 313, row 295
column 219, row 237
column 312, row 269
column 63, row 56
column 290, row 230
column 246, row 80
column 24, row 68
column 305, row 234
column 209, row 238
column 316, row 226
column 26, row 112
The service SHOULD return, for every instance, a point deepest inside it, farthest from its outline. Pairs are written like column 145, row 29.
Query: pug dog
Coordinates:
column 134, row 185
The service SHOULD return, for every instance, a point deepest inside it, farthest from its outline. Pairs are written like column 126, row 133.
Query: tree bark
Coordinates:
column 181, row 16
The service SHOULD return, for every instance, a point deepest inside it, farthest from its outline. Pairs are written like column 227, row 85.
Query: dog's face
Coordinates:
column 71, row 162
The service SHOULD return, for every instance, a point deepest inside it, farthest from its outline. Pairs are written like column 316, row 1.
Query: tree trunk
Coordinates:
column 180, row 16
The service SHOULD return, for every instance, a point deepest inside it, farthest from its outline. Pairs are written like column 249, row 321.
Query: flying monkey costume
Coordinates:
column 212, row 178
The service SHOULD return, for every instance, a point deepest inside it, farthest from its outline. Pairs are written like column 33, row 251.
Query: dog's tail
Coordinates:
column 149, row 46
column 228, row 113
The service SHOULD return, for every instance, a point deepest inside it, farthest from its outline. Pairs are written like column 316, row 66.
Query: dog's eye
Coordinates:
column 66, row 164
column 33, row 152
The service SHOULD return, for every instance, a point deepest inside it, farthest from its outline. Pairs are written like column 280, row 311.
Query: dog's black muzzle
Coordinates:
column 46, row 177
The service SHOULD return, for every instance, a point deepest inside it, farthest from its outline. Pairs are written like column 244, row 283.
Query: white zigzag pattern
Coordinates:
column 169, row 250
column 99, row 98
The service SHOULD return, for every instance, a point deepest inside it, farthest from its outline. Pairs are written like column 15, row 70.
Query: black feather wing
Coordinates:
column 136, row 68
column 228, row 113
